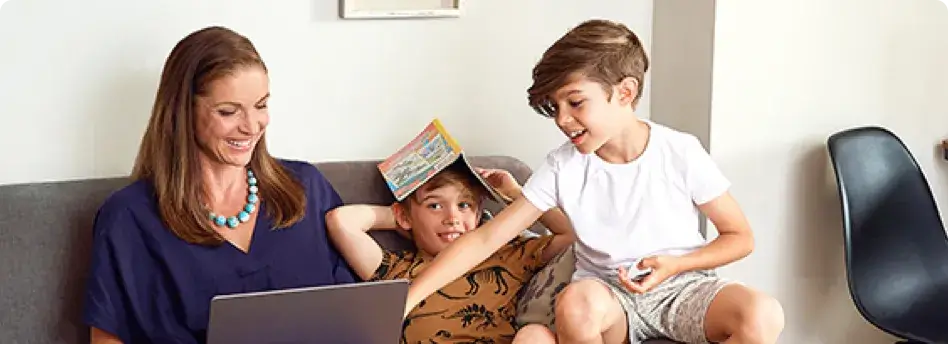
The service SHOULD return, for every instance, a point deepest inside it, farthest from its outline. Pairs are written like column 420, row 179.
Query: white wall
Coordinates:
column 787, row 74
column 78, row 78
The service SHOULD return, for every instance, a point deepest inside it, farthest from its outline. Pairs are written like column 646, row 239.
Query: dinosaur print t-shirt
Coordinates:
column 479, row 307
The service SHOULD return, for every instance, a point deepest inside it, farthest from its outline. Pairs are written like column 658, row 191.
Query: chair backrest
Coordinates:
column 895, row 243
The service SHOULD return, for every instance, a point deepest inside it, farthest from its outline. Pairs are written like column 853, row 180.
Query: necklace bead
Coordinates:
column 244, row 214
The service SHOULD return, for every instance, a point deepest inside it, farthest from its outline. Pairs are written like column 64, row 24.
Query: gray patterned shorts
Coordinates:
column 675, row 309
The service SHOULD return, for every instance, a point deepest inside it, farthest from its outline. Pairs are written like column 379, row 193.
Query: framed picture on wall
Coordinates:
column 393, row 9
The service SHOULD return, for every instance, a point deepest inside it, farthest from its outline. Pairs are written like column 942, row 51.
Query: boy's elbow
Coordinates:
column 739, row 241
column 747, row 241
column 336, row 221
column 332, row 219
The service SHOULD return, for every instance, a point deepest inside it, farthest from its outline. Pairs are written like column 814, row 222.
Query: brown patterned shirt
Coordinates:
column 480, row 306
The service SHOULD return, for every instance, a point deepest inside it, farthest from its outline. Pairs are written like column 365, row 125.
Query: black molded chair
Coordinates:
column 896, row 245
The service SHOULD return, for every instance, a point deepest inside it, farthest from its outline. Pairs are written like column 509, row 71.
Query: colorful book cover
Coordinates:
column 430, row 152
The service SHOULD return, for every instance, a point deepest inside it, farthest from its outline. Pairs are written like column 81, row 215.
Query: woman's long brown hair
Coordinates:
column 168, row 156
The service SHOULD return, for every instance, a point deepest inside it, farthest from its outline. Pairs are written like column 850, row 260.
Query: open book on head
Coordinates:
column 431, row 151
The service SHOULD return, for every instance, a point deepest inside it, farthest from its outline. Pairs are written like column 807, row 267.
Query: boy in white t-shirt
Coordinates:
column 634, row 191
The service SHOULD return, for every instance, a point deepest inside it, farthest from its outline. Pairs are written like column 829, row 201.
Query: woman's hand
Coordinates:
column 502, row 181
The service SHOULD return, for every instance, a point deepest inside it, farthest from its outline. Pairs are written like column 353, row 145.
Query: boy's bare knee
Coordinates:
column 767, row 318
column 761, row 320
column 582, row 310
column 580, row 302
column 534, row 333
column 744, row 315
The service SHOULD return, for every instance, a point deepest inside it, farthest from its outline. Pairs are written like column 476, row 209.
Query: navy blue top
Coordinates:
column 148, row 286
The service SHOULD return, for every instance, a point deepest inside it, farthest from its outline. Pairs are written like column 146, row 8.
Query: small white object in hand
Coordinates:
column 636, row 274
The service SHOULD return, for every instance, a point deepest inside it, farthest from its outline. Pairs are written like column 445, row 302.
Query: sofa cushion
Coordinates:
column 538, row 297
column 45, row 237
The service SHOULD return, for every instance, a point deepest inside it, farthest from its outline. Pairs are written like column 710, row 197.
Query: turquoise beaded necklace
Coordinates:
column 244, row 215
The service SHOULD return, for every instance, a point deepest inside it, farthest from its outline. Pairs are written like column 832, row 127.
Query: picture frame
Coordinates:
column 399, row 9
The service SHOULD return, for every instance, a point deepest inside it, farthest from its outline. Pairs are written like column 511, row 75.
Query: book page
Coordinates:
column 493, row 192
column 424, row 156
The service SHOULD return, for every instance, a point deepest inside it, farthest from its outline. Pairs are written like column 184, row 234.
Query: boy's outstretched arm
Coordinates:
column 348, row 226
column 471, row 249
column 554, row 219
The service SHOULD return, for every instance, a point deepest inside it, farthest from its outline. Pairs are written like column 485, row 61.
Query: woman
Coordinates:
column 210, row 211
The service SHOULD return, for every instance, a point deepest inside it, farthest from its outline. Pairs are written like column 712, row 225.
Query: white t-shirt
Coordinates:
column 625, row 212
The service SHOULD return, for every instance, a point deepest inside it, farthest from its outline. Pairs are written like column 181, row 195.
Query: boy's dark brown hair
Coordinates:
column 451, row 176
column 602, row 51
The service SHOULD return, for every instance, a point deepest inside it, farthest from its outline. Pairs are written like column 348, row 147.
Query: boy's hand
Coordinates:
column 662, row 267
column 502, row 181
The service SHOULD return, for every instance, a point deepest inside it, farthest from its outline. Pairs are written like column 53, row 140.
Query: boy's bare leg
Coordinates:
column 739, row 315
column 587, row 312
column 534, row 334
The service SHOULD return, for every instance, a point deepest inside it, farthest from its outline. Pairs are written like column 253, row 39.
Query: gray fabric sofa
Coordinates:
column 45, row 239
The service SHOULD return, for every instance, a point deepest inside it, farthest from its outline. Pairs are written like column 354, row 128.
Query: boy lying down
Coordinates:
column 481, row 305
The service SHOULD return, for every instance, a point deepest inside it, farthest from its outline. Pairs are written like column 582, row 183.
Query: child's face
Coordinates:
column 438, row 217
column 588, row 116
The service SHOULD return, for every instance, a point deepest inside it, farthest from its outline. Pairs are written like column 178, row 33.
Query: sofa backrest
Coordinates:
column 45, row 239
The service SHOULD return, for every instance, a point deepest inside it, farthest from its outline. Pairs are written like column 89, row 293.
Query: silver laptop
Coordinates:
column 358, row 313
